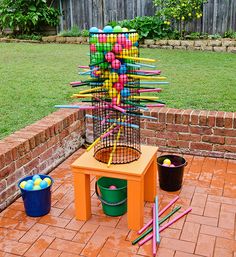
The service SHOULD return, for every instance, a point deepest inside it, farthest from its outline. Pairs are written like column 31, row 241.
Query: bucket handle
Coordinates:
column 105, row 202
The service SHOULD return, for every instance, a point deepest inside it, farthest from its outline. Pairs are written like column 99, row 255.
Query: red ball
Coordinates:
column 123, row 78
column 110, row 56
column 115, row 64
column 117, row 49
column 118, row 86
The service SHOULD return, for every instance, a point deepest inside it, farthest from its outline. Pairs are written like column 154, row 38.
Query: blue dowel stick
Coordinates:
column 147, row 65
column 113, row 121
column 141, row 116
column 157, row 221
column 133, row 65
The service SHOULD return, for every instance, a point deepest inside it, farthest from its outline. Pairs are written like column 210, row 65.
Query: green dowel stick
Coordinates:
column 160, row 222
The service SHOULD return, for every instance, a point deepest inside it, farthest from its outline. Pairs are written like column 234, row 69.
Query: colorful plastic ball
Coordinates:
column 128, row 44
column 118, row 86
column 165, row 165
column 107, row 47
column 105, row 74
column 122, row 69
column 136, row 44
column 99, row 47
column 117, row 49
column 117, row 29
column 37, row 181
column 107, row 84
column 93, row 48
column 112, row 187
column 48, row 180
column 112, row 38
column 115, row 64
column 103, row 66
column 29, row 186
column 132, row 30
column 102, row 38
column 99, row 56
column 112, row 92
column 125, row 30
column 108, row 29
column 172, row 165
column 35, row 177
column 125, row 92
column 113, row 76
column 110, row 56
column 123, row 78
column 36, row 187
column 100, row 30
column 93, row 30
column 121, row 39
column 93, row 39
column 167, row 161
column 125, row 52
column 22, row 184
column 134, row 50
column 43, row 184
column 30, row 181
column 114, row 100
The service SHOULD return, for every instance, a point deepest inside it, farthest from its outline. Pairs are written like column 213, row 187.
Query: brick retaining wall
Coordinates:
column 38, row 148
column 206, row 133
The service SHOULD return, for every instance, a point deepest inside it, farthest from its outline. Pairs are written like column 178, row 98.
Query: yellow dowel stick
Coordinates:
column 81, row 96
column 136, row 58
column 90, row 90
column 145, row 97
column 118, row 99
column 146, row 77
column 115, row 144
column 99, row 138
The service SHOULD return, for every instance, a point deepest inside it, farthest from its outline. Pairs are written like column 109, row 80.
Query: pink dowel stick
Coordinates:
column 154, row 243
column 165, row 226
column 150, row 90
column 109, row 132
column 160, row 213
column 83, row 67
column 149, row 71
column 155, row 105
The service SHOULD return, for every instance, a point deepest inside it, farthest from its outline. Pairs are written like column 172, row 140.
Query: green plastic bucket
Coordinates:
column 114, row 201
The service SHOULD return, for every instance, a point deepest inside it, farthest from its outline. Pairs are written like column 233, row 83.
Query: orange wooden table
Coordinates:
column 141, row 176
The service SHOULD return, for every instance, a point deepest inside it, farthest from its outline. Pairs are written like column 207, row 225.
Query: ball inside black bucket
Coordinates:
column 171, row 171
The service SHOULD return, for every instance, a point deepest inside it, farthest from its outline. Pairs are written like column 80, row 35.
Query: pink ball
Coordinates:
column 123, row 78
column 117, row 49
column 121, row 39
column 112, row 187
column 102, row 38
column 128, row 44
column 172, row 165
column 110, row 56
column 114, row 100
column 115, row 64
column 165, row 165
column 118, row 86
column 93, row 48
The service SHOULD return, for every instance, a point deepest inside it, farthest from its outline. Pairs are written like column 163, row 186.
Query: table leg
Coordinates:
column 150, row 182
column 82, row 196
column 135, row 204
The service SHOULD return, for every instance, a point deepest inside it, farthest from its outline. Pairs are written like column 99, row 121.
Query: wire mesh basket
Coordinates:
column 115, row 96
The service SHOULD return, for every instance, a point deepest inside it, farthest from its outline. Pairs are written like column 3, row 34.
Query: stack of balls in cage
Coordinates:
column 107, row 48
column 36, row 183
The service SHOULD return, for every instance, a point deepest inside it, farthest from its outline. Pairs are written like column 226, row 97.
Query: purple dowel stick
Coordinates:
column 160, row 213
column 165, row 226
column 154, row 243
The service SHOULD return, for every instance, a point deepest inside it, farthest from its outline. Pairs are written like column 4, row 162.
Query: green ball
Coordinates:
column 36, row 187
column 103, row 65
column 107, row 47
column 93, row 39
column 99, row 47
column 117, row 29
column 99, row 57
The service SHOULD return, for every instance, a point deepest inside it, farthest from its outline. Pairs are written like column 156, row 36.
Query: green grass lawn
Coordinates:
column 34, row 77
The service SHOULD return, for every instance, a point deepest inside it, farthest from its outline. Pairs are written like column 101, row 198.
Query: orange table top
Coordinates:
column 136, row 168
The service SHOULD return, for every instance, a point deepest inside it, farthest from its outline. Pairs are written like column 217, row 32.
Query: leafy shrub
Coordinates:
column 84, row 33
column 26, row 17
column 214, row 36
column 29, row 37
column 73, row 32
column 151, row 27
column 181, row 11
column 230, row 34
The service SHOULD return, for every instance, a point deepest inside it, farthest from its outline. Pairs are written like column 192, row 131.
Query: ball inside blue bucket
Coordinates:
column 36, row 194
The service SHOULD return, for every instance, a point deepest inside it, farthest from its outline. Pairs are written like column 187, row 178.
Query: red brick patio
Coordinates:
column 209, row 230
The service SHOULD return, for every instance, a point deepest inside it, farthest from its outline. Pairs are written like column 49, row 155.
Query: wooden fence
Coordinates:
column 219, row 16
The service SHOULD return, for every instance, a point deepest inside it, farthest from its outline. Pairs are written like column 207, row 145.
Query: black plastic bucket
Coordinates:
column 170, row 178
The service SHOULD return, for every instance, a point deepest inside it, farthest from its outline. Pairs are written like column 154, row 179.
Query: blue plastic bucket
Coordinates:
column 38, row 202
